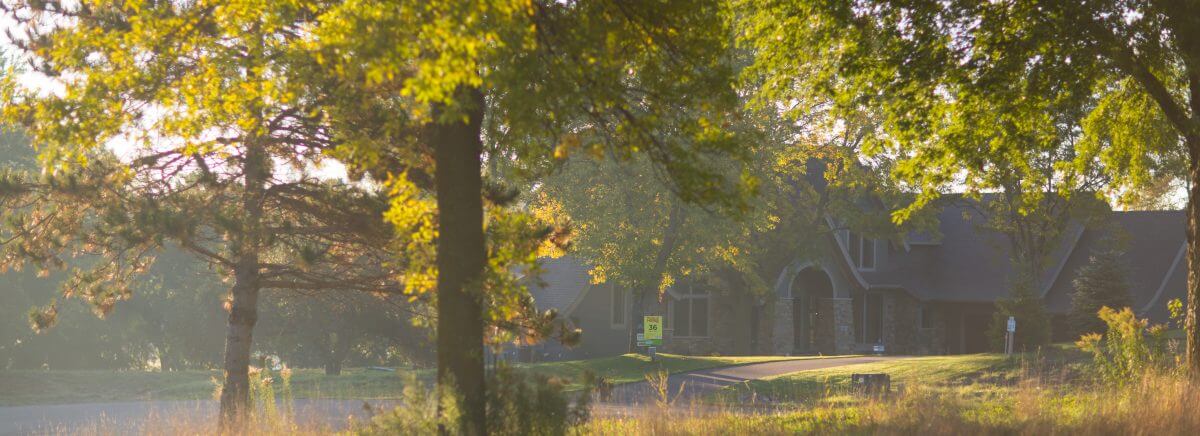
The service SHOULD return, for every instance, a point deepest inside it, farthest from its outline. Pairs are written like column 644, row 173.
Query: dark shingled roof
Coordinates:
column 964, row 264
column 563, row 282
column 967, row 264
column 1153, row 243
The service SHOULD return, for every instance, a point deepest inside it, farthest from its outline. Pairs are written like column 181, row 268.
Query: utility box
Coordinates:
column 871, row 383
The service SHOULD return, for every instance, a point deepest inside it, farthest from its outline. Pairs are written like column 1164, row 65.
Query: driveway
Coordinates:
column 690, row 386
column 158, row 417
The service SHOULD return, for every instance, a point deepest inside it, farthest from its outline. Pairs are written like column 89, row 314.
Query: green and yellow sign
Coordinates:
column 653, row 329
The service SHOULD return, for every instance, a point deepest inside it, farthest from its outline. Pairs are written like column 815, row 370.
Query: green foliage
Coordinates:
column 1100, row 283
column 1033, row 322
column 1129, row 350
column 518, row 403
column 343, row 330
column 423, row 412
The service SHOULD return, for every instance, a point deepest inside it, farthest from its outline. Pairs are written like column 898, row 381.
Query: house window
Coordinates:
column 868, row 317
column 926, row 317
column 689, row 312
column 862, row 251
column 618, row 306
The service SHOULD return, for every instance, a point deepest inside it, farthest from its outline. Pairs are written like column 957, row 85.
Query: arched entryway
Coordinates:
column 808, row 288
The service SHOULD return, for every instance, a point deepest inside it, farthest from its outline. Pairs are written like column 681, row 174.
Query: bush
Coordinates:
column 1099, row 284
column 1130, row 348
column 517, row 404
column 1033, row 323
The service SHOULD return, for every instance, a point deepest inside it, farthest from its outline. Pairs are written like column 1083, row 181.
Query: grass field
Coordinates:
column 59, row 387
column 968, row 394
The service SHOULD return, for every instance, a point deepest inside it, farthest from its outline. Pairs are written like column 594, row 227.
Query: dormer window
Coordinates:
column 862, row 251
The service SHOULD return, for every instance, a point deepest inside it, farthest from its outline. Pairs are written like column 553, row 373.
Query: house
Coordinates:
column 923, row 295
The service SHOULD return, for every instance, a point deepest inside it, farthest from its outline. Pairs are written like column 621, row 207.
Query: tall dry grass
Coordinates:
column 1161, row 403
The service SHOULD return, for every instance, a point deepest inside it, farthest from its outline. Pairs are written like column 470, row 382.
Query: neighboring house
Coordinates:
column 924, row 295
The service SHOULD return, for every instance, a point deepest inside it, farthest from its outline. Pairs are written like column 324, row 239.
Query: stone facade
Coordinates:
column 835, row 334
column 900, row 323
column 784, row 334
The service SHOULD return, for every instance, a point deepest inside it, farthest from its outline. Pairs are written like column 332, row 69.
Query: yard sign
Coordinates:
column 653, row 329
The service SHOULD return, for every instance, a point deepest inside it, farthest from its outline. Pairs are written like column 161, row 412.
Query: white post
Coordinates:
column 1008, row 336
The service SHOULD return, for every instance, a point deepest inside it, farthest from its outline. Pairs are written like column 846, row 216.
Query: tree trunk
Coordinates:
column 243, row 314
column 1193, row 256
column 461, row 258
column 670, row 235
column 337, row 352
column 333, row 365
column 243, row 309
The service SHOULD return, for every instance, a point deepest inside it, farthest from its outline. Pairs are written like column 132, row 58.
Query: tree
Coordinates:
column 332, row 330
column 997, row 75
column 516, row 81
column 637, row 234
column 1026, row 306
column 217, row 152
column 1100, row 283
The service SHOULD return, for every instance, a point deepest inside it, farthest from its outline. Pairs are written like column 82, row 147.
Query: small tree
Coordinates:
column 1100, row 283
column 1033, row 323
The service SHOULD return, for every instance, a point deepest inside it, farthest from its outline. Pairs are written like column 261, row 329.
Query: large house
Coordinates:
column 925, row 295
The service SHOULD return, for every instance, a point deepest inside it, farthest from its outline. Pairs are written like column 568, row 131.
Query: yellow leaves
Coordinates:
column 1089, row 342
column 413, row 214
column 569, row 142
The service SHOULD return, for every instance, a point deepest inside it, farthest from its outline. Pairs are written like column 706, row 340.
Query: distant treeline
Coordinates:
column 176, row 321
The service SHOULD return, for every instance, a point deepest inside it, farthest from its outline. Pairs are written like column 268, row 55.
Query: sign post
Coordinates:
column 652, row 337
column 1008, row 337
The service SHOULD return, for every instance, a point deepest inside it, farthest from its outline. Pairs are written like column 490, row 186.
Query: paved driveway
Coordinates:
column 690, row 386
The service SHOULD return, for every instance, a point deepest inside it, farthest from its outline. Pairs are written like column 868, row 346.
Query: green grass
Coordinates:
column 28, row 387
column 962, row 394
column 57, row 387
column 980, row 374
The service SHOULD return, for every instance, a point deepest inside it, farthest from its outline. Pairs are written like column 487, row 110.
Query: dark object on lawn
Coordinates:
column 380, row 368
column 871, row 383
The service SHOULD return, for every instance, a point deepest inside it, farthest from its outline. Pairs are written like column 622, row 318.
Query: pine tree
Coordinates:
column 220, row 159
column 1100, row 283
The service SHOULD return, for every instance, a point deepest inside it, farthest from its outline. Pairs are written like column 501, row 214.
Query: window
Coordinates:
column 867, row 261
column 862, row 251
column 868, row 317
column 926, row 315
column 618, row 306
column 689, row 312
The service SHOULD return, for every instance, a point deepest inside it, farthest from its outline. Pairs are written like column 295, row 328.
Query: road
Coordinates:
column 159, row 417
column 139, row 417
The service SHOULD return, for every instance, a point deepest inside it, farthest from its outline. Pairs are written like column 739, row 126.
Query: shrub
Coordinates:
column 1033, row 323
column 1128, row 350
column 517, row 404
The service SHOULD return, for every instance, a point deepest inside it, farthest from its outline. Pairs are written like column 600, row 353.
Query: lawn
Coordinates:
column 964, row 394
column 60, row 387
column 980, row 374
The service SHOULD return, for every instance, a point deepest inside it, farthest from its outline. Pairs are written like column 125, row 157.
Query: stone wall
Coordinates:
column 729, row 324
column 835, row 333
column 901, row 323
column 783, row 335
